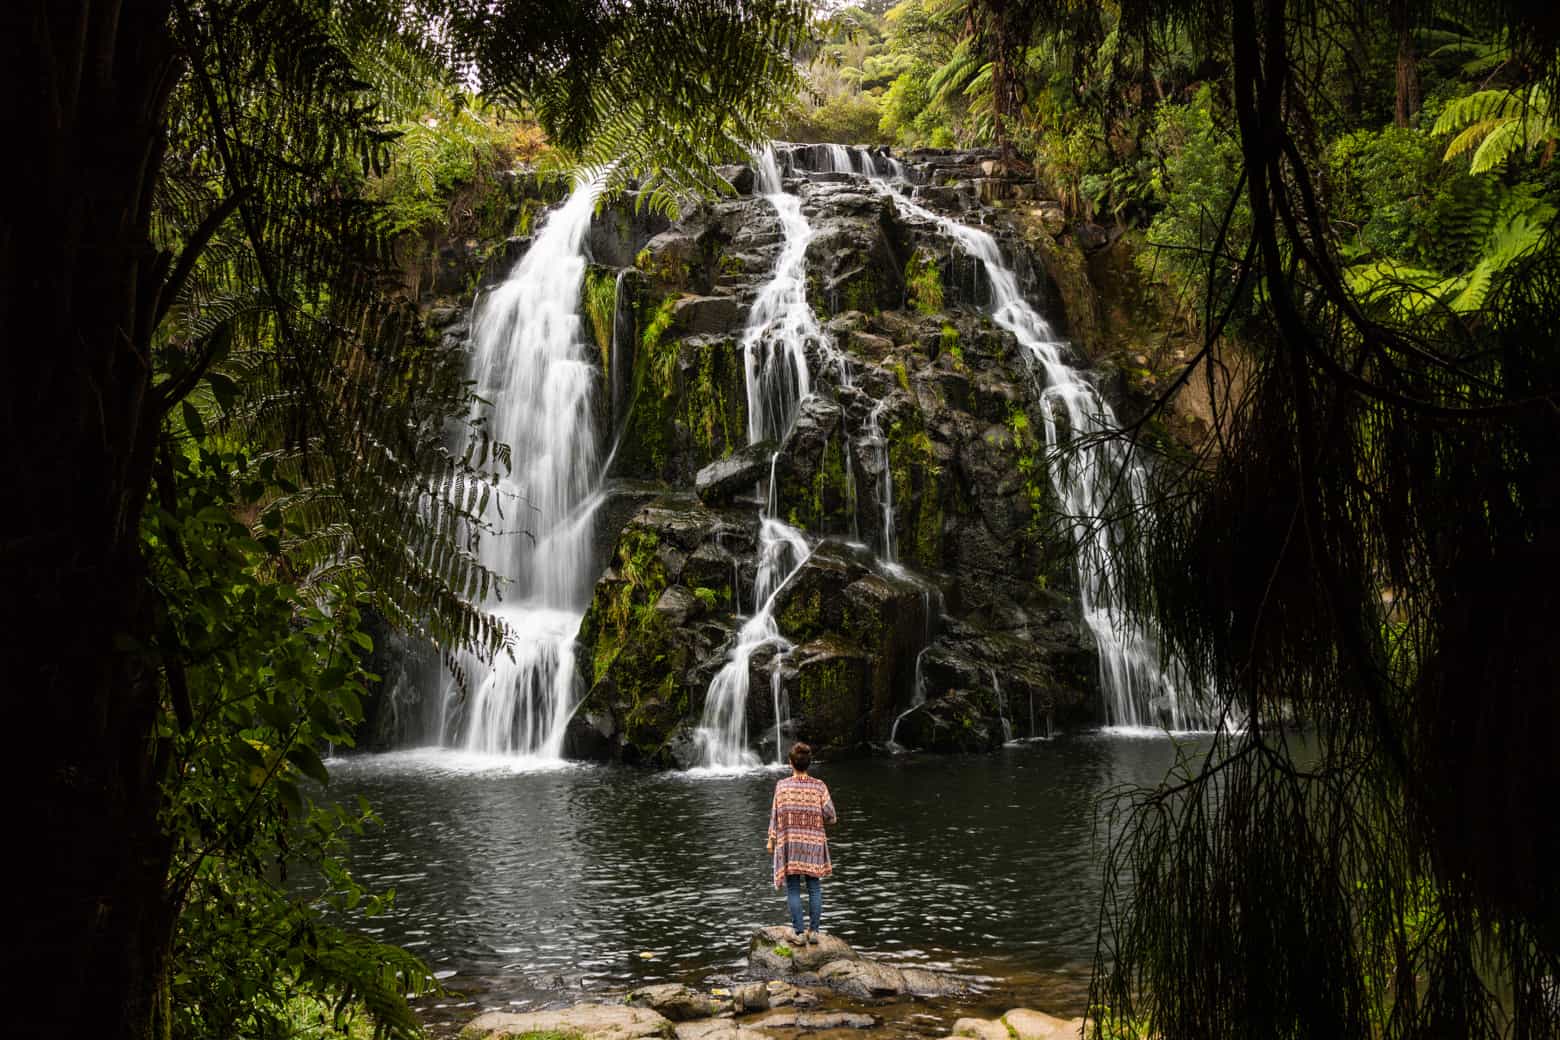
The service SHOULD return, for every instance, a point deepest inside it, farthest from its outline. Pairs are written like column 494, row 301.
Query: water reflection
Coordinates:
column 588, row 877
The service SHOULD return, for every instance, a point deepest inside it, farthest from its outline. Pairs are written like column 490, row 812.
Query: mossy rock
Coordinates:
column 833, row 695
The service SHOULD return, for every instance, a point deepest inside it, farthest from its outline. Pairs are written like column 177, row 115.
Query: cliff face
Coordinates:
column 937, row 603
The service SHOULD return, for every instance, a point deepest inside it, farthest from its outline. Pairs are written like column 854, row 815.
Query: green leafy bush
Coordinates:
column 1199, row 169
column 1382, row 183
column 843, row 119
column 270, row 673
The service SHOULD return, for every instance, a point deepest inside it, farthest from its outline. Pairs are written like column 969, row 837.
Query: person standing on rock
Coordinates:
column 801, row 808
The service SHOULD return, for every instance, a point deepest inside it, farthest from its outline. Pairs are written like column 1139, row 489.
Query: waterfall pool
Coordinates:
column 528, row 884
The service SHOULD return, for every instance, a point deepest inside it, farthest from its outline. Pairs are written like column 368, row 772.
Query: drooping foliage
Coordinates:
column 289, row 313
column 658, row 90
column 1359, row 204
column 1353, row 568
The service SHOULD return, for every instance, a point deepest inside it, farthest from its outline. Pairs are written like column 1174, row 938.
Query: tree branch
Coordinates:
column 169, row 291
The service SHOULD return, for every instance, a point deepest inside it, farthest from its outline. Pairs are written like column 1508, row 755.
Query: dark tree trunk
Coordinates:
column 1407, row 103
column 88, row 85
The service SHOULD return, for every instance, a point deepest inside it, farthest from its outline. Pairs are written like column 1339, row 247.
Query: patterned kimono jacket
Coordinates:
column 801, row 807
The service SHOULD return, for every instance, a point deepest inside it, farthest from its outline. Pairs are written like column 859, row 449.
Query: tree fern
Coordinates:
column 1520, row 228
column 1494, row 125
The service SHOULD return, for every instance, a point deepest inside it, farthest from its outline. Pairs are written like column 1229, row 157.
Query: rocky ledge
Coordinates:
column 790, row 983
column 624, row 1022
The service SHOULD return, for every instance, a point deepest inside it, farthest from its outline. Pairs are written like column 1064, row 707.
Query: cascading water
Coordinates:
column 533, row 369
column 780, row 329
column 1007, row 727
column 878, row 443
column 1093, row 475
column 917, row 698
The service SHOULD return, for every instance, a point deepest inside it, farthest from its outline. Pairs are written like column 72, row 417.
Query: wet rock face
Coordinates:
column 737, row 474
column 675, row 1001
column 660, row 617
column 925, row 425
column 941, row 576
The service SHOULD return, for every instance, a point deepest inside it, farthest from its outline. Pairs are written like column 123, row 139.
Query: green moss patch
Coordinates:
column 923, row 282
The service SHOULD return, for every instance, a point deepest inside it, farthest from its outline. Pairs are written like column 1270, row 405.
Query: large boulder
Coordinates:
column 863, row 979
column 720, row 315
column 816, row 1020
column 773, row 952
column 1024, row 1024
column 980, row 1029
column 958, row 720
column 1020, row 1024
column 735, row 474
column 857, row 626
column 856, row 254
column 717, row 1029
column 661, row 615
column 740, row 178
column 818, row 476
column 687, row 404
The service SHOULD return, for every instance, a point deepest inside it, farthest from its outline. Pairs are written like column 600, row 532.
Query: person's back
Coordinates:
column 802, row 806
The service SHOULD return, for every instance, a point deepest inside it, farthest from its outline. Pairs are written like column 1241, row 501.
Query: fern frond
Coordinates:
column 1497, row 124
column 1472, row 136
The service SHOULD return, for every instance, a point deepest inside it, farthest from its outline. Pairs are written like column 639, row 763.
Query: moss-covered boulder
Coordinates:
column 687, row 405
column 660, row 616
column 831, row 691
column 958, row 720
column 818, row 478
column 858, row 626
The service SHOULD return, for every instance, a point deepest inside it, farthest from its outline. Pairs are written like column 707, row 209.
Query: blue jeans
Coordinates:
column 793, row 898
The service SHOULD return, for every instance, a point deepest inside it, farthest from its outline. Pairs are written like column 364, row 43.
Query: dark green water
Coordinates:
column 525, row 887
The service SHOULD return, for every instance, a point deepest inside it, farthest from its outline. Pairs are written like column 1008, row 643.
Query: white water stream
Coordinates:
column 780, row 329
column 1094, row 476
column 534, row 375
column 877, row 442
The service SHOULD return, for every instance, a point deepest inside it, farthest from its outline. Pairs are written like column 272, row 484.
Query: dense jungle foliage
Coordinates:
column 1439, row 183
column 224, row 438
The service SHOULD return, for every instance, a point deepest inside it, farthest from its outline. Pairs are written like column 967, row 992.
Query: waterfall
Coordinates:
column 917, row 698
column 878, row 443
column 780, row 328
column 536, row 383
column 1093, row 476
column 1007, row 727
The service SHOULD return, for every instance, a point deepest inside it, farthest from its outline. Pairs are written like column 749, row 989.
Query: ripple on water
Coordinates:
column 533, row 875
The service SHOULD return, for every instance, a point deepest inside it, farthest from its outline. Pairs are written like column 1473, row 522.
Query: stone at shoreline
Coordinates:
column 980, row 1029
column 676, row 1001
column 817, row 1020
column 740, row 471
column 752, row 997
column 863, row 978
column 1024, row 1024
column 589, row 1021
column 833, row 961
column 717, row 1029
column 773, row 952
column 783, row 993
